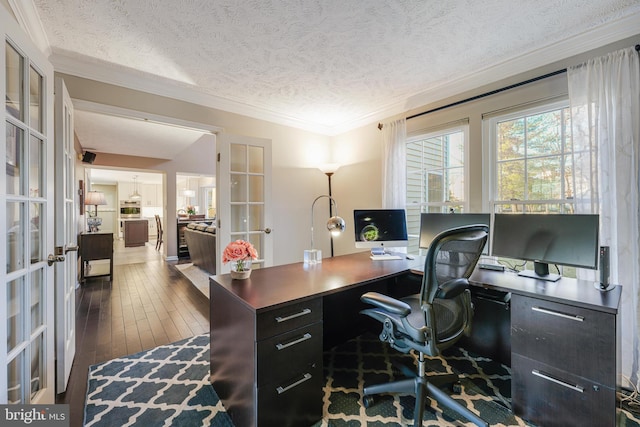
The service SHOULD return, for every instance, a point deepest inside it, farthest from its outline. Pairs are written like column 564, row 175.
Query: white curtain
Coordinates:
column 394, row 177
column 605, row 112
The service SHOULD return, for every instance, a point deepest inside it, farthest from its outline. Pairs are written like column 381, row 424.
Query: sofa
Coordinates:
column 201, row 242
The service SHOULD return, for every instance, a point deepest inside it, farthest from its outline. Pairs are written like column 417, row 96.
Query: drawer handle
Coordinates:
column 304, row 378
column 557, row 381
column 559, row 314
column 304, row 312
column 303, row 338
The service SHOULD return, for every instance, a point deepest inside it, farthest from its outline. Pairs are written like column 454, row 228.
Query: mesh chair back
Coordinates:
column 453, row 254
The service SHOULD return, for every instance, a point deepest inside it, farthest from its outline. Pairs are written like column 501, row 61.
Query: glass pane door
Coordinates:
column 243, row 194
column 27, row 302
column 247, row 195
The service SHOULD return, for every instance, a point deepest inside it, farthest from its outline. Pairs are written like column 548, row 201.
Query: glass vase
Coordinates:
column 241, row 269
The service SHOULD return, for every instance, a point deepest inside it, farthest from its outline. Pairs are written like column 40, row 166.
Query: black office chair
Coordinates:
column 433, row 320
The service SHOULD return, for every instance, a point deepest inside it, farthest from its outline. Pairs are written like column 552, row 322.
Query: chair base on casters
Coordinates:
column 422, row 388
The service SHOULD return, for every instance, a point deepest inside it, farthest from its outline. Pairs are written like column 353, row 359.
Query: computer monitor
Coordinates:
column 380, row 228
column 432, row 224
column 545, row 239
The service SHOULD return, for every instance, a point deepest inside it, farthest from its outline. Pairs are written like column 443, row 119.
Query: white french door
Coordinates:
column 65, row 236
column 26, row 218
column 243, row 195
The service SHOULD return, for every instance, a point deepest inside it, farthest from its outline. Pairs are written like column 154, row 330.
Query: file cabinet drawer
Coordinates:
column 569, row 338
column 288, row 317
column 295, row 401
column 286, row 354
column 551, row 397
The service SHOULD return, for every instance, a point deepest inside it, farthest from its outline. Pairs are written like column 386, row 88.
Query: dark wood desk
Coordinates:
column 268, row 334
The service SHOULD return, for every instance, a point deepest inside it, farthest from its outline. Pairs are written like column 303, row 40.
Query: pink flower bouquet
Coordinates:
column 238, row 252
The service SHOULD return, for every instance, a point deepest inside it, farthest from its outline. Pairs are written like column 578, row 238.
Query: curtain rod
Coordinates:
column 493, row 92
column 483, row 95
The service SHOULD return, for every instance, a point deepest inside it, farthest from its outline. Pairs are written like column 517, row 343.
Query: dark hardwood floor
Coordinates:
column 148, row 304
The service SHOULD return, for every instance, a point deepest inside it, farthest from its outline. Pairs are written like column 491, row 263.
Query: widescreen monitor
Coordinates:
column 432, row 224
column 570, row 240
column 380, row 228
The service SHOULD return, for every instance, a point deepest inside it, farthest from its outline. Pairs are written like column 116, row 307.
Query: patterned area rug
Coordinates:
column 366, row 361
column 169, row 386
column 166, row 386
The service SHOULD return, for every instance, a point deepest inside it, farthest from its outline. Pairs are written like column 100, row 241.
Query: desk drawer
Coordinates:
column 569, row 338
column 296, row 401
column 284, row 355
column 551, row 397
column 288, row 318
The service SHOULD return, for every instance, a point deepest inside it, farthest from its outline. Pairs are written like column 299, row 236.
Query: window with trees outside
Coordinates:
column 436, row 176
column 533, row 162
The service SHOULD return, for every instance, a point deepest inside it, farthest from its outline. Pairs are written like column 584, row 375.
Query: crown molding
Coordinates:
column 27, row 15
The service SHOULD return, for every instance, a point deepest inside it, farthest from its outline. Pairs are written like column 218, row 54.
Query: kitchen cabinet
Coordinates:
column 153, row 230
column 125, row 190
column 151, row 196
column 151, row 193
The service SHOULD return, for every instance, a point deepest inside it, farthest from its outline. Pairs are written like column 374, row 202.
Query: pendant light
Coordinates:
column 135, row 195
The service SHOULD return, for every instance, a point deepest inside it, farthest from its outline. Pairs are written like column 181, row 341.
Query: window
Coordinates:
column 533, row 161
column 436, row 175
column 532, row 166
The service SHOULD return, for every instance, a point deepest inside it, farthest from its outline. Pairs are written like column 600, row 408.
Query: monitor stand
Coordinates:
column 603, row 287
column 540, row 272
column 380, row 254
column 377, row 251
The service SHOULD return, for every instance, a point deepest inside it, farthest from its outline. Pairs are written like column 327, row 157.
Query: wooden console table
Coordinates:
column 93, row 247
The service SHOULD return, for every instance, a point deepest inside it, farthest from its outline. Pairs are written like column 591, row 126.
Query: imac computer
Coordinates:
column 545, row 239
column 432, row 224
column 378, row 229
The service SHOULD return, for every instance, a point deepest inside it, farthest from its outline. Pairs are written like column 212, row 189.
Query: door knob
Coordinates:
column 54, row 258
column 267, row 230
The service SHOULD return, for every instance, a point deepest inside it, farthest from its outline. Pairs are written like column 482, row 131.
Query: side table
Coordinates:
column 95, row 246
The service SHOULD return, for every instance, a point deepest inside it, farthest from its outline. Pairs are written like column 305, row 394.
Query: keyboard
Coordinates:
column 384, row 257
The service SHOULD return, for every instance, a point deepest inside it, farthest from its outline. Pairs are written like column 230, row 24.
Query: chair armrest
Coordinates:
column 452, row 288
column 389, row 304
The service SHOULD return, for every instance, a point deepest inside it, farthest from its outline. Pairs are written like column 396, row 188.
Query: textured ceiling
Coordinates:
column 324, row 65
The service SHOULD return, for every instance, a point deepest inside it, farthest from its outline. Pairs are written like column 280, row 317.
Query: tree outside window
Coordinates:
column 534, row 163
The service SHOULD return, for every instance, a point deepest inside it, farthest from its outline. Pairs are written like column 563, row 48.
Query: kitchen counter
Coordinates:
column 136, row 232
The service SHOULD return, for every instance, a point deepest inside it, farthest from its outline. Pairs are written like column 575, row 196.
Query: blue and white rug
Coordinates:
column 169, row 386
column 166, row 386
